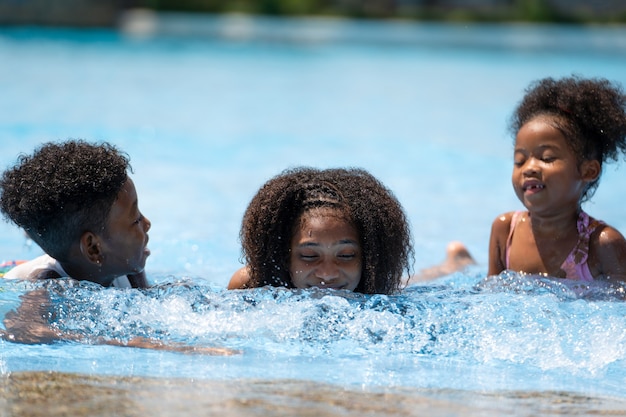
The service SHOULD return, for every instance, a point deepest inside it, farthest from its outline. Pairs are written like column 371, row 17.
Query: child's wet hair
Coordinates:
column 274, row 212
column 590, row 112
column 62, row 190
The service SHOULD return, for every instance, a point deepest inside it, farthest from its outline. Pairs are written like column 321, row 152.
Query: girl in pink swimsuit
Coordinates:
column 565, row 130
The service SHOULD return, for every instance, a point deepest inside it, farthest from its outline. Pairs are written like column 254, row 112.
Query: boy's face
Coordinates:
column 124, row 241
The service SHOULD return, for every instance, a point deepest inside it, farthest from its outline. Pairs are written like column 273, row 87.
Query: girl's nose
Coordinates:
column 530, row 167
column 327, row 271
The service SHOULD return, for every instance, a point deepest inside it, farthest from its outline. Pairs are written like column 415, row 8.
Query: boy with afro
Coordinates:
column 77, row 202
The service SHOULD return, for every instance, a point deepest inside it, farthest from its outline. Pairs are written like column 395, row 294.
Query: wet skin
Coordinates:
column 325, row 252
column 123, row 244
column 547, row 177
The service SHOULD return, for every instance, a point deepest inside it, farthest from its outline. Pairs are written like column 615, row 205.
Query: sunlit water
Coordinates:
column 208, row 117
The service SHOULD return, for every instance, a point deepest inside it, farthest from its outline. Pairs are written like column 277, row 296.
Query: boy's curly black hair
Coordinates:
column 590, row 112
column 273, row 214
column 62, row 190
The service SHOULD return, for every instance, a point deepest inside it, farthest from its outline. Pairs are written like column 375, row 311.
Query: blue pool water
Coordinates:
column 208, row 116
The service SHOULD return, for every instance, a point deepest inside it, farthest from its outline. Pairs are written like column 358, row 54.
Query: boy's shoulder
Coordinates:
column 44, row 266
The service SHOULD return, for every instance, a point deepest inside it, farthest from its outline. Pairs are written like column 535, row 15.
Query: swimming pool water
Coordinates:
column 208, row 119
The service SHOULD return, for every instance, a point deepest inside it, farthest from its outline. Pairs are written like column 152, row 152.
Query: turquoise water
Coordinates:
column 208, row 116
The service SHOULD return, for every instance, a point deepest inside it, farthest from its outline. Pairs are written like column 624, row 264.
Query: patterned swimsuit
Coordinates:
column 575, row 265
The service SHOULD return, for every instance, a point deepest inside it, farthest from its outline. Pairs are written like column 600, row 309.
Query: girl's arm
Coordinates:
column 609, row 248
column 240, row 279
column 497, row 243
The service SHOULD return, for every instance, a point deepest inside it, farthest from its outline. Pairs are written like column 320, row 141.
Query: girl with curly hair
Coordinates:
column 565, row 130
column 332, row 228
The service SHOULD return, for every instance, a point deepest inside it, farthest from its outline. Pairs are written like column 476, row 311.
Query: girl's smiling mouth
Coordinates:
column 532, row 186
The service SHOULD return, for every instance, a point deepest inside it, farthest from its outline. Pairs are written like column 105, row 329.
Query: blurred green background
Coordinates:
column 107, row 12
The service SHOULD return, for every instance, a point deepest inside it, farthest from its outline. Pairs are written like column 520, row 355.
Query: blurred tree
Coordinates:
column 210, row 6
column 536, row 11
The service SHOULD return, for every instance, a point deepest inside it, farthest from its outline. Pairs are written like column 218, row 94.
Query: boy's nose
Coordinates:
column 147, row 223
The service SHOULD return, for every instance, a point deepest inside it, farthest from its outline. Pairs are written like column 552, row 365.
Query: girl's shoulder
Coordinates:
column 605, row 234
column 503, row 221
column 501, row 229
column 240, row 279
column 607, row 251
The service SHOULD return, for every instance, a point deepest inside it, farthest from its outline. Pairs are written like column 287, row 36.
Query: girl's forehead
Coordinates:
column 325, row 225
column 326, row 216
column 326, row 212
column 540, row 129
column 550, row 119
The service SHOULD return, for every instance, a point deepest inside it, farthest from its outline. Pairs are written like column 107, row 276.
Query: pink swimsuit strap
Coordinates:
column 517, row 216
column 575, row 265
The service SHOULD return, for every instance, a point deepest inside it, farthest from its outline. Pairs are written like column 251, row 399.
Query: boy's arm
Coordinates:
column 145, row 343
column 138, row 280
column 30, row 324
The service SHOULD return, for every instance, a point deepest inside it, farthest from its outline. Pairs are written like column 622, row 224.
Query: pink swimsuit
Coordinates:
column 575, row 265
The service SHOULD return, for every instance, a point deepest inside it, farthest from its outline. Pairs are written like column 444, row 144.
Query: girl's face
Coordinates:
column 546, row 175
column 325, row 251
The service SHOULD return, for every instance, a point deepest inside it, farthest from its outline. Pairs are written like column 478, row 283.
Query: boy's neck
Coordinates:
column 86, row 272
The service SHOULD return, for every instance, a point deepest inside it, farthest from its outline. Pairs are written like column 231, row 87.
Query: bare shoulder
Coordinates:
column 502, row 223
column 240, row 279
column 497, row 242
column 607, row 238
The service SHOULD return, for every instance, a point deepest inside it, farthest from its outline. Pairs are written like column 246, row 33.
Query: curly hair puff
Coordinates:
column 590, row 112
column 62, row 190
column 274, row 212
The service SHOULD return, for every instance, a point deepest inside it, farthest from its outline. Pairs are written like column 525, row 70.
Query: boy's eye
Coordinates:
column 139, row 219
column 346, row 255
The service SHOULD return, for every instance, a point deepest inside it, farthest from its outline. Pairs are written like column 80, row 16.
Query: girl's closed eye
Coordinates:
column 308, row 256
column 347, row 255
column 548, row 157
column 519, row 159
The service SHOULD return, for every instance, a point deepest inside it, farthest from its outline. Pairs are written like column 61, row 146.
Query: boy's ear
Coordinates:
column 90, row 247
column 590, row 170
